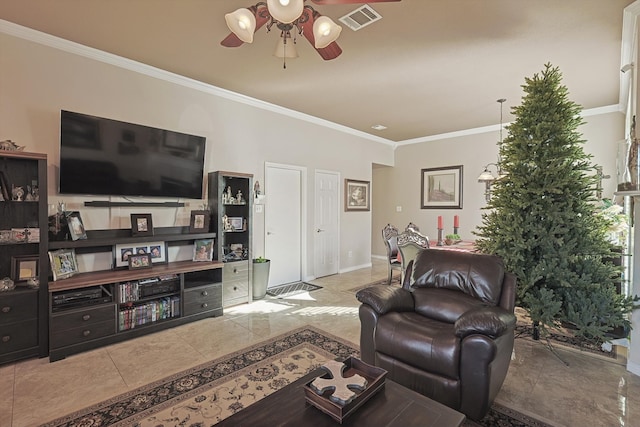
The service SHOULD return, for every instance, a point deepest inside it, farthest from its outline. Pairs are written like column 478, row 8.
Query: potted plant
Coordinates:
column 451, row 239
column 260, row 277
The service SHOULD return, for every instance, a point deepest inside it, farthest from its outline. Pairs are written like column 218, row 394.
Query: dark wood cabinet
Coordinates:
column 23, row 249
column 231, row 203
column 93, row 309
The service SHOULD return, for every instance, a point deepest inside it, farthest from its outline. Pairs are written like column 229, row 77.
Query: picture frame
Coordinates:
column 24, row 267
column 140, row 261
column 122, row 252
column 63, row 263
column 357, row 195
column 237, row 223
column 199, row 222
column 76, row 226
column 203, row 250
column 441, row 188
column 141, row 225
column 4, row 188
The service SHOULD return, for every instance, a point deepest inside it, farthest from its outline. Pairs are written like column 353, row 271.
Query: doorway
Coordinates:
column 284, row 241
column 326, row 237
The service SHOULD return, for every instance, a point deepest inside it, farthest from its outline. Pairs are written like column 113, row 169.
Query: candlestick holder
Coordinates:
column 455, row 230
column 440, row 241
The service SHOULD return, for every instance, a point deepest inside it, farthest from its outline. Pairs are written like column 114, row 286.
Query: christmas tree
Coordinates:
column 542, row 217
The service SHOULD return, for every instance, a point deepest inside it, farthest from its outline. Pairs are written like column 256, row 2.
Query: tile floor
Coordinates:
column 591, row 391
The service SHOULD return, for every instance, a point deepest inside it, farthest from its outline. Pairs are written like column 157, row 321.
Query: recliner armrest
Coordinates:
column 384, row 299
column 490, row 321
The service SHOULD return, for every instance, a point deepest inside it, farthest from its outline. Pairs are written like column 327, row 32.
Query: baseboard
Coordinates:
column 634, row 368
column 382, row 257
column 356, row 267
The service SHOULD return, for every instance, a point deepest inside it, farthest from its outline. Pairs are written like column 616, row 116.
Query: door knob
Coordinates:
column 319, row 230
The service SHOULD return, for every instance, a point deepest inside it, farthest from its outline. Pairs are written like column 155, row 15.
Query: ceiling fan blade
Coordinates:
column 262, row 17
column 332, row 51
column 323, row 2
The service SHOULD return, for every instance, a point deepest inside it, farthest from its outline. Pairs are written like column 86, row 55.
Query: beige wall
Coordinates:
column 38, row 80
column 400, row 185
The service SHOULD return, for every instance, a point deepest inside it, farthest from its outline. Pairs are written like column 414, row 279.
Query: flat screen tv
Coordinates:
column 101, row 156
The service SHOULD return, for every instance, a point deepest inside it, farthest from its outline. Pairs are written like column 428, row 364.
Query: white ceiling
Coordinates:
column 428, row 67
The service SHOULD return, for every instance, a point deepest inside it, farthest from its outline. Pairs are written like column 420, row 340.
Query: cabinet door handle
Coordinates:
column 86, row 333
column 205, row 305
column 235, row 270
column 235, row 288
column 204, row 293
column 86, row 317
column 6, row 309
column 6, row 338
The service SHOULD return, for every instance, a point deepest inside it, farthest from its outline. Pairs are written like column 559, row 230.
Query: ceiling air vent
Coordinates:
column 361, row 17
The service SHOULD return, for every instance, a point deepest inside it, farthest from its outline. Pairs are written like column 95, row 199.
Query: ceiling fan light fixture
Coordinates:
column 325, row 31
column 242, row 23
column 285, row 50
column 285, row 11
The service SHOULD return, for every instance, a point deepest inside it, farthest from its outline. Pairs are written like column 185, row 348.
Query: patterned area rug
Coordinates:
column 291, row 289
column 206, row 394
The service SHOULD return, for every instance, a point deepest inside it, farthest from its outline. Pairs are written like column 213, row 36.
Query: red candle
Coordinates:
column 456, row 221
column 440, row 227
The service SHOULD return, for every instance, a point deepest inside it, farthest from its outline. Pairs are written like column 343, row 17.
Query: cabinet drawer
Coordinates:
column 18, row 336
column 82, row 318
column 235, row 271
column 18, row 306
column 205, row 298
column 85, row 333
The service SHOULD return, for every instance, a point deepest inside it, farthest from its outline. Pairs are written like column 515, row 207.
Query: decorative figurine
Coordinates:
column 239, row 198
column 9, row 145
column 256, row 189
column 18, row 194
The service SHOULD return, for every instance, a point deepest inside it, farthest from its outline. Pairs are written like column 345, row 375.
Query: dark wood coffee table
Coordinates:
column 394, row 405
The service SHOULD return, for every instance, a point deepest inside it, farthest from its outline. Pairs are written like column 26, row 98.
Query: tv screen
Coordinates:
column 101, row 156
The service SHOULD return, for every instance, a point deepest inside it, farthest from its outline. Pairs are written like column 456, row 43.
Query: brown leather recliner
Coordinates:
column 448, row 336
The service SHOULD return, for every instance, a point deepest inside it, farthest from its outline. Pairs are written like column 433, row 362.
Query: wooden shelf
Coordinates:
column 85, row 280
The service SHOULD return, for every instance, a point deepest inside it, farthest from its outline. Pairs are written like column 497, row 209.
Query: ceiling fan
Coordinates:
column 288, row 15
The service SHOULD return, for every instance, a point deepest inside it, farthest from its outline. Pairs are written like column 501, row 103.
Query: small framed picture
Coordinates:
column 199, row 222
column 156, row 250
column 63, row 263
column 141, row 225
column 236, row 223
column 24, row 267
column 203, row 250
column 139, row 261
column 356, row 195
column 76, row 227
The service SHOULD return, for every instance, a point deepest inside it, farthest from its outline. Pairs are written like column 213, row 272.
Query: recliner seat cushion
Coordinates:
column 420, row 342
column 478, row 275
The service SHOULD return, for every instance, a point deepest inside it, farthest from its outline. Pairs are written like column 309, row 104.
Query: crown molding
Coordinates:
column 68, row 46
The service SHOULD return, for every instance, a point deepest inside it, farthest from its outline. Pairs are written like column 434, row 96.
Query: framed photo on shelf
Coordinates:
column 141, row 225
column 4, row 188
column 356, row 195
column 441, row 188
column 139, row 261
column 24, row 267
column 203, row 250
column 156, row 250
column 76, row 227
column 199, row 222
column 63, row 263
column 236, row 223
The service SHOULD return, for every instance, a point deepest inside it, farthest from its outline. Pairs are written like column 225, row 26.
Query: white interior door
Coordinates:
column 326, row 243
column 283, row 223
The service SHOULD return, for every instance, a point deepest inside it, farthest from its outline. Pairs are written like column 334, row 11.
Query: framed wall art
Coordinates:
column 141, row 225
column 356, row 195
column 441, row 188
column 63, row 263
column 122, row 252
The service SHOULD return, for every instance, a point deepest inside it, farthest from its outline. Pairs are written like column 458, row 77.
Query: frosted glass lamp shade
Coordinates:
column 287, row 50
column 285, row 11
column 242, row 23
column 486, row 176
column 325, row 31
